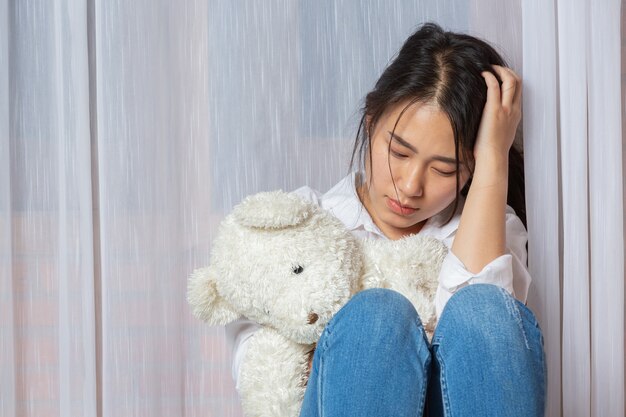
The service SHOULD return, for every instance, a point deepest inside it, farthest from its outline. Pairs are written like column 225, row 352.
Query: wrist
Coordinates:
column 492, row 157
column 491, row 170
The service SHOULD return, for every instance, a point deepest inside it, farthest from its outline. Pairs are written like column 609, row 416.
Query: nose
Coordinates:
column 412, row 183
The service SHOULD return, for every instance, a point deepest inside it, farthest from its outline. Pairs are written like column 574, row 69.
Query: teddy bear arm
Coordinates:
column 273, row 375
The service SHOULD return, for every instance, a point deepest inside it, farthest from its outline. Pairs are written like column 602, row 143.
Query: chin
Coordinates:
column 400, row 222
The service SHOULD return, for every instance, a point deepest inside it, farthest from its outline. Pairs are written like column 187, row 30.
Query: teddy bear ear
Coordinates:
column 206, row 302
column 272, row 210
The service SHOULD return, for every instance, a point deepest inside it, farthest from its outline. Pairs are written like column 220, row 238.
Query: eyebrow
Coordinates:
column 411, row 147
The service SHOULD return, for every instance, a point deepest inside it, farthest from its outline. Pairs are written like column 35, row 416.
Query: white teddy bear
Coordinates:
column 290, row 265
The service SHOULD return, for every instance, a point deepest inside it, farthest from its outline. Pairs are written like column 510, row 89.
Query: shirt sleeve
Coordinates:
column 508, row 271
column 237, row 335
column 239, row 332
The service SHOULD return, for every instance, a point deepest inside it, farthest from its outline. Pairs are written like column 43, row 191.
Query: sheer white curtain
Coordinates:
column 129, row 129
column 47, row 309
column 575, row 198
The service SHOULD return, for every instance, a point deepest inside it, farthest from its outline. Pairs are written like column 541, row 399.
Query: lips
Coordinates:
column 397, row 208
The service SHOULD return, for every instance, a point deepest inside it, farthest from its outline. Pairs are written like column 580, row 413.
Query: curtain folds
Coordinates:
column 48, row 342
column 606, row 209
column 129, row 129
column 573, row 30
column 575, row 194
column 7, row 331
column 543, row 201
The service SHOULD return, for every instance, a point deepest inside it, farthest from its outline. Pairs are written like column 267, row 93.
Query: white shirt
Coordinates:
column 508, row 271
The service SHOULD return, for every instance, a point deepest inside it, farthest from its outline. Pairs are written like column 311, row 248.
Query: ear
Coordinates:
column 206, row 303
column 272, row 210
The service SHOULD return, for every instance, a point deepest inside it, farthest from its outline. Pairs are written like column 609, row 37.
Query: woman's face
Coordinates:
column 422, row 162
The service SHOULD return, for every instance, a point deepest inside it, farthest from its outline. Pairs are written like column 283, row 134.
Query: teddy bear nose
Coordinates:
column 313, row 318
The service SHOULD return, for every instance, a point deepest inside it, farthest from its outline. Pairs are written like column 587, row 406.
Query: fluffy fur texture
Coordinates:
column 409, row 266
column 279, row 389
column 289, row 265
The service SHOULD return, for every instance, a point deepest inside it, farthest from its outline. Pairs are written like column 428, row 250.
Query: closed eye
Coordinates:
column 398, row 155
column 445, row 174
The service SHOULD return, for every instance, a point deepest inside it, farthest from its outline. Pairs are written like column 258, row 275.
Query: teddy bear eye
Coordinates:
column 297, row 269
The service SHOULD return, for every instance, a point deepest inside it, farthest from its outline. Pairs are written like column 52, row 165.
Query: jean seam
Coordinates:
column 514, row 309
column 533, row 319
column 442, row 382
column 320, row 378
column 420, row 328
column 321, row 369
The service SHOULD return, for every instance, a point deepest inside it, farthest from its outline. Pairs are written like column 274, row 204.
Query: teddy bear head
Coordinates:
column 280, row 261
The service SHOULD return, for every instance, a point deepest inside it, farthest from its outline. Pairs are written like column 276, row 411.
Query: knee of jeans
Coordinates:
column 473, row 291
column 481, row 304
column 381, row 306
column 488, row 313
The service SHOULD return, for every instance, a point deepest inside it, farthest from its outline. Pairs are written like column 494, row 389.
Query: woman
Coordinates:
column 435, row 157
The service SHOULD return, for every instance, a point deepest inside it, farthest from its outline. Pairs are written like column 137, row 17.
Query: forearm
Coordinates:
column 481, row 235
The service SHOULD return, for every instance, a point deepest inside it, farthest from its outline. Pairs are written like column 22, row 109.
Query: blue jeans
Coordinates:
column 373, row 359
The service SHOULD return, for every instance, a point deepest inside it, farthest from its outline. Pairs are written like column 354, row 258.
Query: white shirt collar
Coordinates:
column 344, row 203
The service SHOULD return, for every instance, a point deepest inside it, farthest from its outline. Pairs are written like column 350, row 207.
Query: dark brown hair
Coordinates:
column 441, row 68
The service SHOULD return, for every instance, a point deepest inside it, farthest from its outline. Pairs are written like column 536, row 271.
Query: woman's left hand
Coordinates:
column 501, row 115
